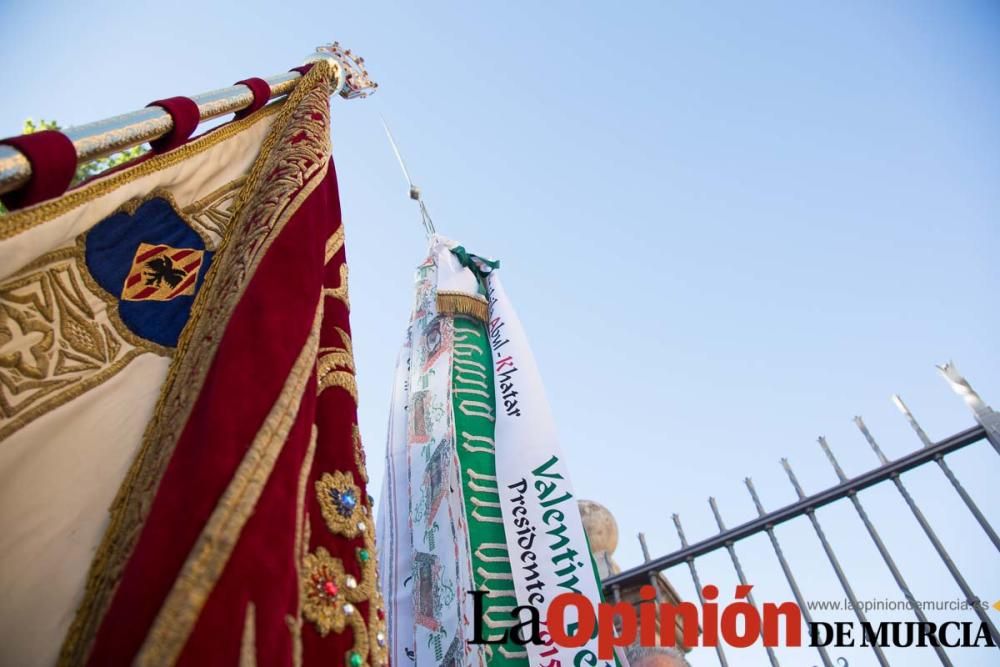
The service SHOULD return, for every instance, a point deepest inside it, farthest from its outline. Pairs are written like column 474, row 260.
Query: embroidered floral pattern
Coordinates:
column 335, row 367
column 324, row 587
column 330, row 596
column 359, row 455
column 340, row 501
column 211, row 215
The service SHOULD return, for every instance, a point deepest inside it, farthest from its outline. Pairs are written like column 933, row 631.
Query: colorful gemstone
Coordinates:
column 344, row 501
column 381, row 614
column 363, row 555
column 330, row 588
column 356, row 659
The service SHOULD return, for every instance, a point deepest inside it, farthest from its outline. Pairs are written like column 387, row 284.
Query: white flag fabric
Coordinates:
column 477, row 496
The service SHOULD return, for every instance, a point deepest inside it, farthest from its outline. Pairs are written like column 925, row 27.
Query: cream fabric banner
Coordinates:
column 78, row 384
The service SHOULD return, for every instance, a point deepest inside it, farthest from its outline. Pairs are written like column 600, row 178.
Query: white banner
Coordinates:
column 545, row 537
column 395, row 541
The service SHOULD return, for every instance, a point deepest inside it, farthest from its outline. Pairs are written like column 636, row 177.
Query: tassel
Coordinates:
column 460, row 303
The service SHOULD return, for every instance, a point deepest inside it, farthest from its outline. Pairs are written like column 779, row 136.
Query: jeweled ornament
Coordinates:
column 345, row 501
column 339, row 499
column 320, row 603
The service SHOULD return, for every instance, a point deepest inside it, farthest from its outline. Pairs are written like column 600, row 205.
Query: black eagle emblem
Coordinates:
column 162, row 270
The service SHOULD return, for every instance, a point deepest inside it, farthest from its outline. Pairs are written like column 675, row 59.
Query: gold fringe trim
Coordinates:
column 460, row 303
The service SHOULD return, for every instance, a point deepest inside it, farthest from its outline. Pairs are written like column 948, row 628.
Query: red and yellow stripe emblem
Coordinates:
column 160, row 273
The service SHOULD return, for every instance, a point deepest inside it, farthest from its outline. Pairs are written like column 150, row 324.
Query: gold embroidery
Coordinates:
column 191, row 215
column 210, row 216
column 282, row 177
column 248, row 646
column 460, row 303
column 57, row 340
column 324, row 592
column 14, row 223
column 331, row 597
column 359, row 453
column 294, row 623
column 340, row 292
column 334, row 244
column 340, row 502
column 208, row 557
column 335, row 367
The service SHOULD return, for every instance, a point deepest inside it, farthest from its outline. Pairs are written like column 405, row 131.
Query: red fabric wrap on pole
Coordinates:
column 53, row 163
column 302, row 69
column 184, row 112
column 261, row 94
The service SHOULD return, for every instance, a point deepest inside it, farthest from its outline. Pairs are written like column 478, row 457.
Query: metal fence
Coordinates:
column 987, row 429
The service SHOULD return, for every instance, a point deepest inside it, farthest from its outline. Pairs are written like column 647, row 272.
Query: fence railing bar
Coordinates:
column 697, row 584
column 880, row 545
column 946, row 469
column 971, row 597
column 915, row 459
column 796, row 593
column 739, row 571
column 988, row 428
column 914, row 424
column 844, row 583
column 616, row 592
column 652, row 575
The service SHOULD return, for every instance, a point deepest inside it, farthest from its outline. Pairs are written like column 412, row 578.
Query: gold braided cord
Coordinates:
column 248, row 644
column 294, row 623
column 334, row 244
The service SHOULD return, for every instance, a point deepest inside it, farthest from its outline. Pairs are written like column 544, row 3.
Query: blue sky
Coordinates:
column 728, row 229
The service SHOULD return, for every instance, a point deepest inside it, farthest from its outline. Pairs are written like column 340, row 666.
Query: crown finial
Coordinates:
column 352, row 78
